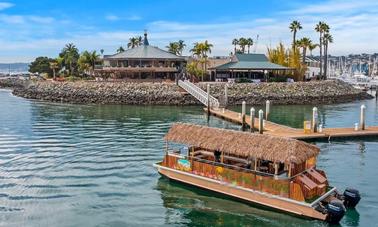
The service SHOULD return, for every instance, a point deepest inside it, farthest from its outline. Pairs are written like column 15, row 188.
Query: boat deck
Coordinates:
column 275, row 129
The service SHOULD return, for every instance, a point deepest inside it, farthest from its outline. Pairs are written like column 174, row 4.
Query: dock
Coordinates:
column 271, row 128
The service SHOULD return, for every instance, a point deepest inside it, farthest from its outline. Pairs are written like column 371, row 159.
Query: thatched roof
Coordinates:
column 243, row 144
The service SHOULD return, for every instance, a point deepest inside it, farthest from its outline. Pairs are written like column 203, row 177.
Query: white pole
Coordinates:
column 267, row 109
column 362, row 117
column 315, row 119
column 252, row 119
column 261, row 121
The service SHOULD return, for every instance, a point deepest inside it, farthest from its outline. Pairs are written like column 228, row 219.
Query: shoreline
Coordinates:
column 147, row 93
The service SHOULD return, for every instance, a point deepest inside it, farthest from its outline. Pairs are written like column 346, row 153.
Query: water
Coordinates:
column 91, row 165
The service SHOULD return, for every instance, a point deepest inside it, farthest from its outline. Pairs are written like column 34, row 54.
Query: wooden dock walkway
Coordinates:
column 275, row 129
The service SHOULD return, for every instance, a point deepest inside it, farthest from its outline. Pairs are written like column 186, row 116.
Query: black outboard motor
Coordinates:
column 336, row 211
column 351, row 197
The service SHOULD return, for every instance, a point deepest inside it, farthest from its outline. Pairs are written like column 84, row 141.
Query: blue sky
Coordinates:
column 41, row 28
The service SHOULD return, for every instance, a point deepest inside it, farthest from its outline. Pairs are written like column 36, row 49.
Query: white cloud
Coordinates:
column 112, row 17
column 12, row 19
column 5, row 5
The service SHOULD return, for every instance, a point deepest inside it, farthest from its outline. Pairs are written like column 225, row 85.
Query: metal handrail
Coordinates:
column 198, row 93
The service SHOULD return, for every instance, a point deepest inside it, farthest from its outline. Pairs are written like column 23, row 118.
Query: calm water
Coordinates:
column 77, row 165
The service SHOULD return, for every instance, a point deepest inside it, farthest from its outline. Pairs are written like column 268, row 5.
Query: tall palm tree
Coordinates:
column 249, row 43
column 201, row 50
column 120, row 49
column 327, row 39
column 295, row 26
column 88, row 60
column 322, row 28
column 235, row 42
column 173, row 48
column 304, row 43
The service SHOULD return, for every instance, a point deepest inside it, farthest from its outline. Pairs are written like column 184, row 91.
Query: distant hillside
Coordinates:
column 14, row 67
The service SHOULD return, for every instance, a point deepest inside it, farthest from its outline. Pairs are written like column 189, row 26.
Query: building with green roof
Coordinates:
column 247, row 66
column 142, row 62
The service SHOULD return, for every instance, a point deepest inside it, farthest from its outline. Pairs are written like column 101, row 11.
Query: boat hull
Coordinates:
column 279, row 203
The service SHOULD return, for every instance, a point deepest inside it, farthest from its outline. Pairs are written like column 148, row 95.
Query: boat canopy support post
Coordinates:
column 225, row 95
column 208, row 100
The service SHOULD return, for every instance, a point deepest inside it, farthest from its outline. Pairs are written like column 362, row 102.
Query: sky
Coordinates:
column 29, row 29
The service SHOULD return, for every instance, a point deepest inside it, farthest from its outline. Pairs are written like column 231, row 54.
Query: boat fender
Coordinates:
column 351, row 197
column 336, row 211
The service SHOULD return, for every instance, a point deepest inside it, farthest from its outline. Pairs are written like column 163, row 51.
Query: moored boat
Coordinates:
column 275, row 172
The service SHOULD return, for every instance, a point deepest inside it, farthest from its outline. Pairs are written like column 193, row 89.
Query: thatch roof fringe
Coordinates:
column 243, row 144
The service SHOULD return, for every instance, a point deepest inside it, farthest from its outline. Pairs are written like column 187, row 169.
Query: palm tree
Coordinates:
column 71, row 55
column 235, row 42
column 201, row 50
column 304, row 43
column 54, row 65
column 88, row 60
column 249, row 43
column 173, row 48
column 120, row 49
column 312, row 47
column 243, row 42
column 321, row 27
column 181, row 45
column 134, row 42
column 327, row 39
column 295, row 26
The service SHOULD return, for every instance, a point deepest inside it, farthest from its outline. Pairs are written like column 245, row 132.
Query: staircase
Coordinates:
column 199, row 94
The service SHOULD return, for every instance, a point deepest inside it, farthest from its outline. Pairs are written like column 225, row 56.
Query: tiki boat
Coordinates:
column 275, row 172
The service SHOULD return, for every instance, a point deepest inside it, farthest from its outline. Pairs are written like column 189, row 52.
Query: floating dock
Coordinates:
column 271, row 128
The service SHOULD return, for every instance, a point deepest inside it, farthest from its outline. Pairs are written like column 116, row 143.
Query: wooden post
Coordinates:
column 255, row 164
column 252, row 119
column 289, row 174
column 243, row 115
column 261, row 121
column 225, row 95
column 362, row 117
column 222, row 157
column 267, row 109
column 314, row 119
column 275, row 169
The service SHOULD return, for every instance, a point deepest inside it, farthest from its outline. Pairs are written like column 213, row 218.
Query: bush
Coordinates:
column 243, row 80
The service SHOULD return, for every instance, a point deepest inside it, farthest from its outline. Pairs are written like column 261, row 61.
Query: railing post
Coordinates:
column 267, row 109
column 252, row 119
column 261, row 121
column 243, row 115
column 315, row 119
column 362, row 117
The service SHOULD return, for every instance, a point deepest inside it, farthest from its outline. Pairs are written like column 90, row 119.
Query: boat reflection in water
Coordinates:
column 275, row 172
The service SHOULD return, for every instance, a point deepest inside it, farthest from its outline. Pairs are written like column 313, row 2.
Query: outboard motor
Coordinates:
column 351, row 197
column 336, row 211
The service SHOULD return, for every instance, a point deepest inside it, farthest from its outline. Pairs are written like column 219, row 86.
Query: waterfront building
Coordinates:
column 246, row 66
column 142, row 62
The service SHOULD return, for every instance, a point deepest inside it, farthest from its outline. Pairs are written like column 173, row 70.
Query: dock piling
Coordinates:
column 252, row 119
column 243, row 115
column 267, row 109
column 261, row 121
column 314, row 119
column 362, row 117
